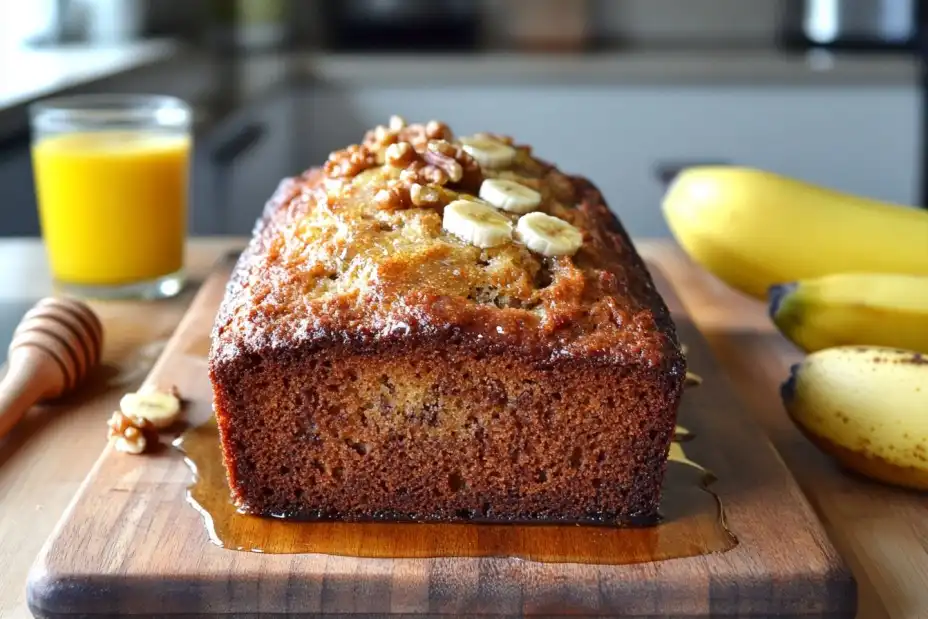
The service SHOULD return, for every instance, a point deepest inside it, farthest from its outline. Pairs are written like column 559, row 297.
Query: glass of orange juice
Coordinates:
column 111, row 176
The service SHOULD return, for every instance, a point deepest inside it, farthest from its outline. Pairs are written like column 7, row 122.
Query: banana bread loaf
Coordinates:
column 438, row 328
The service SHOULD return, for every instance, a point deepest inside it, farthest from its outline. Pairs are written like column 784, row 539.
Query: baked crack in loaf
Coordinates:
column 439, row 328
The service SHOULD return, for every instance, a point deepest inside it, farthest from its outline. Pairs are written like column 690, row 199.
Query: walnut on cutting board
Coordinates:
column 134, row 428
column 131, row 435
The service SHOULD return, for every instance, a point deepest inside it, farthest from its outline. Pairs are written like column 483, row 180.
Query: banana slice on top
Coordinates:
column 509, row 195
column 488, row 152
column 476, row 223
column 161, row 408
column 547, row 235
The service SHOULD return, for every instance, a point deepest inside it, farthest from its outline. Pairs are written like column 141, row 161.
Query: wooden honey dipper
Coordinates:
column 54, row 347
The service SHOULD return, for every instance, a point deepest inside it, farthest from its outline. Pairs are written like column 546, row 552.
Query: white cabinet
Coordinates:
column 859, row 139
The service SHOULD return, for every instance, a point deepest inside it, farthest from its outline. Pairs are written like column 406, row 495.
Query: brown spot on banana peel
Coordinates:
column 867, row 464
column 911, row 358
column 863, row 462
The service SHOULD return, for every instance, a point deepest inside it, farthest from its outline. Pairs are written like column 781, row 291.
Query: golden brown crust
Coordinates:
column 332, row 273
column 329, row 261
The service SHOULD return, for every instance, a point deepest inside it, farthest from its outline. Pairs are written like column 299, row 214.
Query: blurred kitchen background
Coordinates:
column 626, row 92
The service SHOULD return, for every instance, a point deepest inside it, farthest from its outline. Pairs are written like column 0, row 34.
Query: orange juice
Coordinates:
column 112, row 204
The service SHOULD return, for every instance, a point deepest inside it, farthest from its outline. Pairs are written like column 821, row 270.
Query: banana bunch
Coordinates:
column 754, row 229
column 846, row 279
column 871, row 309
column 868, row 408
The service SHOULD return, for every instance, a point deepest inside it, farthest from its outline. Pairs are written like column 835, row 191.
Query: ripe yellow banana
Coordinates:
column 867, row 407
column 754, row 229
column 853, row 308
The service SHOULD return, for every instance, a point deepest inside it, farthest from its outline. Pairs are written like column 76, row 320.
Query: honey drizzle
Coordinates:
column 692, row 523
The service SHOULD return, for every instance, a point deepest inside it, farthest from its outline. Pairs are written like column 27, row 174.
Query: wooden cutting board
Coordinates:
column 130, row 544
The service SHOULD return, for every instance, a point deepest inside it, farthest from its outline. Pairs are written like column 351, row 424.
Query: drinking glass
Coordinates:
column 111, row 176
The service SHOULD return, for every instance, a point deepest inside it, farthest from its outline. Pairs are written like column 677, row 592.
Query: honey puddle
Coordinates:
column 692, row 523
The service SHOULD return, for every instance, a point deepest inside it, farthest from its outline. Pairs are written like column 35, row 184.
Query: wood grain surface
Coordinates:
column 130, row 544
column 881, row 531
column 46, row 457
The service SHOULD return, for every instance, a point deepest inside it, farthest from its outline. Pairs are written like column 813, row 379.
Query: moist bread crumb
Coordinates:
column 367, row 364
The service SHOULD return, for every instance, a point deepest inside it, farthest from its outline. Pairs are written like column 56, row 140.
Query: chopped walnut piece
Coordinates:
column 131, row 435
column 350, row 161
column 427, row 195
column 420, row 135
column 388, row 200
column 435, row 130
column 421, row 183
column 383, row 137
column 394, row 197
column 411, row 174
column 424, row 173
column 400, row 155
column 397, row 130
column 379, row 138
column 401, row 194
column 441, row 154
column 443, row 163
column 440, row 151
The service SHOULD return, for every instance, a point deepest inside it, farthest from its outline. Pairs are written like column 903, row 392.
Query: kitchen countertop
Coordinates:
column 29, row 74
column 222, row 86
column 632, row 67
column 882, row 532
column 252, row 75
